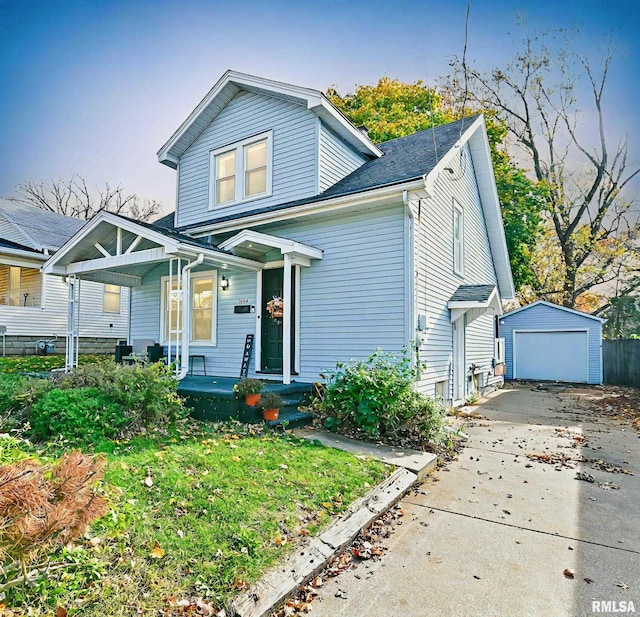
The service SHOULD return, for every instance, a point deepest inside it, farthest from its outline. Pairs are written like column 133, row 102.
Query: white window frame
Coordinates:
column 11, row 263
column 458, row 244
column 164, row 281
column 106, row 292
column 239, row 148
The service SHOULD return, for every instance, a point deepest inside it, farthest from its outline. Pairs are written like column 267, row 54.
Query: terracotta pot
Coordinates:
column 270, row 414
column 252, row 399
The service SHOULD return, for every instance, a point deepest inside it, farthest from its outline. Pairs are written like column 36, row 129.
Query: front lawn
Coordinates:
column 195, row 511
column 43, row 364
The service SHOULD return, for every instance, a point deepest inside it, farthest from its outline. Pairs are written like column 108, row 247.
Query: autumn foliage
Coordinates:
column 43, row 506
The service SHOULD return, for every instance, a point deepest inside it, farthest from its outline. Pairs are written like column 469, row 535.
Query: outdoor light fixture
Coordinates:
column 224, row 283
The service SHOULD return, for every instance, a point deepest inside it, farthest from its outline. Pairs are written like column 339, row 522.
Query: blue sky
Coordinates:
column 96, row 88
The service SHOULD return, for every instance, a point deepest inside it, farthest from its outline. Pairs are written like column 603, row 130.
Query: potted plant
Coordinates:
column 250, row 388
column 270, row 403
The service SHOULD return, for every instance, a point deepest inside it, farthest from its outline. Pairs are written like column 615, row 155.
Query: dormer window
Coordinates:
column 241, row 171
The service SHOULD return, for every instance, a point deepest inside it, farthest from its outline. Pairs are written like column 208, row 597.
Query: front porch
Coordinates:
column 213, row 399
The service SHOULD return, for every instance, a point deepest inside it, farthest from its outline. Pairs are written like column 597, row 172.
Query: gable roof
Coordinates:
column 230, row 84
column 554, row 306
column 36, row 228
column 404, row 159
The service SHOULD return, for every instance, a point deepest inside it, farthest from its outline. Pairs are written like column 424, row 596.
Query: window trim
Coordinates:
column 458, row 245
column 239, row 147
column 213, row 275
column 16, row 263
column 112, row 293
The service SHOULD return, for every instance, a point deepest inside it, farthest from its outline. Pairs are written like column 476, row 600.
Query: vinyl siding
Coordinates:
column 548, row 318
column 50, row 320
column 436, row 280
column 337, row 160
column 351, row 302
column 295, row 154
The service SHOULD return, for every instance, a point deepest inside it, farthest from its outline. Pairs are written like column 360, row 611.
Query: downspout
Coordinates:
column 410, row 295
column 186, row 315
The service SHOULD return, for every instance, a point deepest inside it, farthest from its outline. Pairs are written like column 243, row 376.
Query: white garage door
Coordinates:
column 554, row 356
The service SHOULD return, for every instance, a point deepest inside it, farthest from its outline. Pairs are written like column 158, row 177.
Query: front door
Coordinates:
column 271, row 318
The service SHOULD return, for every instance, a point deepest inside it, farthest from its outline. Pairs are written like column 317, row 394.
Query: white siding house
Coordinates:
column 33, row 306
column 293, row 227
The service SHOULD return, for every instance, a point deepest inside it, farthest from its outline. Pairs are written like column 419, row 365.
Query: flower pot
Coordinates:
column 270, row 414
column 252, row 399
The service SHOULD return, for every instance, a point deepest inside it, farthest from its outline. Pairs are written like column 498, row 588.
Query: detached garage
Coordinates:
column 547, row 342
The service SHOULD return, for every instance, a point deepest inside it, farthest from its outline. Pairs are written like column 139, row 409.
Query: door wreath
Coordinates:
column 275, row 308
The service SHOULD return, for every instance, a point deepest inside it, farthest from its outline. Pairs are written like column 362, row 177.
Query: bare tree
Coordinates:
column 568, row 151
column 73, row 197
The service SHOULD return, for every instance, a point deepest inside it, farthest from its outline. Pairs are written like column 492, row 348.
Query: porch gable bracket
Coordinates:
column 474, row 301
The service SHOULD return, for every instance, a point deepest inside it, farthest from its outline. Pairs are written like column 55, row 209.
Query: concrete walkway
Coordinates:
column 495, row 534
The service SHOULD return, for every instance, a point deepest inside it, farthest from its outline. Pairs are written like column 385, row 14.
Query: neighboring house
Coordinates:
column 33, row 306
column 547, row 342
column 292, row 226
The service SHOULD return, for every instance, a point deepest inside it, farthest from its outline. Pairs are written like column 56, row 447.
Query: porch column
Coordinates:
column 286, row 322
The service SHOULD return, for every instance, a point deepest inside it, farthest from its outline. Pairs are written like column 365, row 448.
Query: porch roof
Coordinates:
column 474, row 300
column 256, row 245
column 117, row 250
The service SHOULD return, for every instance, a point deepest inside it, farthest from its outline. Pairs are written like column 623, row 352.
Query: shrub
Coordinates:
column 147, row 393
column 377, row 396
column 17, row 395
column 78, row 415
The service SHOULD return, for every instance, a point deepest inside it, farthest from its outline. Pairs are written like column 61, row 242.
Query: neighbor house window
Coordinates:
column 20, row 286
column 241, row 171
column 458, row 239
column 111, row 299
column 202, row 304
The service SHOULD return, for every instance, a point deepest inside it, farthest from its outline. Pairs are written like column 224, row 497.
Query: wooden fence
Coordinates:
column 621, row 360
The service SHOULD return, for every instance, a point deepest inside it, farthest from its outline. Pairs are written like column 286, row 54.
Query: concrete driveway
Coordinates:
column 494, row 532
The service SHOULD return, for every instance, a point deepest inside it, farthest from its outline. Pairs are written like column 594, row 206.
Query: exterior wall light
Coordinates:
column 224, row 283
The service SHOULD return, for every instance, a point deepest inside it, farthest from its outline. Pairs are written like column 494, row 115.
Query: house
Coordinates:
column 547, row 342
column 293, row 227
column 33, row 306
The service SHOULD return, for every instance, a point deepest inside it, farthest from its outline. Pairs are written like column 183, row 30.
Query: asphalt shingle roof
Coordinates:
column 404, row 159
column 38, row 228
column 472, row 293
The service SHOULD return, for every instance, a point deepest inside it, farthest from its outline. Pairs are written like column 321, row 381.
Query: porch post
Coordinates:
column 73, row 301
column 286, row 322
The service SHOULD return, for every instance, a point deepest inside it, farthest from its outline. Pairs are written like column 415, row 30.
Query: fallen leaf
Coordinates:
column 588, row 580
column 569, row 573
column 235, row 459
column 148, row 481
column 304, row 531
column 622, row 585
column 156, row 551
column 61, row 612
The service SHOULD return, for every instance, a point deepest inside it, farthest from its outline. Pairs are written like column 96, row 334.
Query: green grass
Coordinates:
column 224, row 504
column 40, row 364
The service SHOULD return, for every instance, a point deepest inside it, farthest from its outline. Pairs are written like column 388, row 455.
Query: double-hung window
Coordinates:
column 241, row 171
column 202, row 304
column 458, row 238
column 111, row 299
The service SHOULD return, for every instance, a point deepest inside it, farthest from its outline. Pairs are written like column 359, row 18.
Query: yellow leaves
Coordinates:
column 235, row 459
column 148, row 481
column 156, row 552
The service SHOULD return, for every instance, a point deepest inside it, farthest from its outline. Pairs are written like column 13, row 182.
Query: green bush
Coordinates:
column 377, row 396
column 17, row 395
column 77, row 415
column 146, row 392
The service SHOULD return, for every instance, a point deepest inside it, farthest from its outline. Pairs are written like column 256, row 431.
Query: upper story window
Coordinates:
column 458, row 238
column 111, row 299
column 241, row 171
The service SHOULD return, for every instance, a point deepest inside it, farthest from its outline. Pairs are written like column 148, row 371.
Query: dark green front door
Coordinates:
column 271, row 318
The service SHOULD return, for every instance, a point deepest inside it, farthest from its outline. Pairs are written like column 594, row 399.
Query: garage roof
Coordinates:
column 555, row 306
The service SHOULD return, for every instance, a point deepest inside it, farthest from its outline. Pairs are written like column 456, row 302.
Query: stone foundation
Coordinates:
column 28, row 345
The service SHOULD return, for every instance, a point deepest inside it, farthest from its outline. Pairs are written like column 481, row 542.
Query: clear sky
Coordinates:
column 97, row 87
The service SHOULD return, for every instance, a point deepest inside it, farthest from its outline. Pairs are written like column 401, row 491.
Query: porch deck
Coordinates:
column 212, row 398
